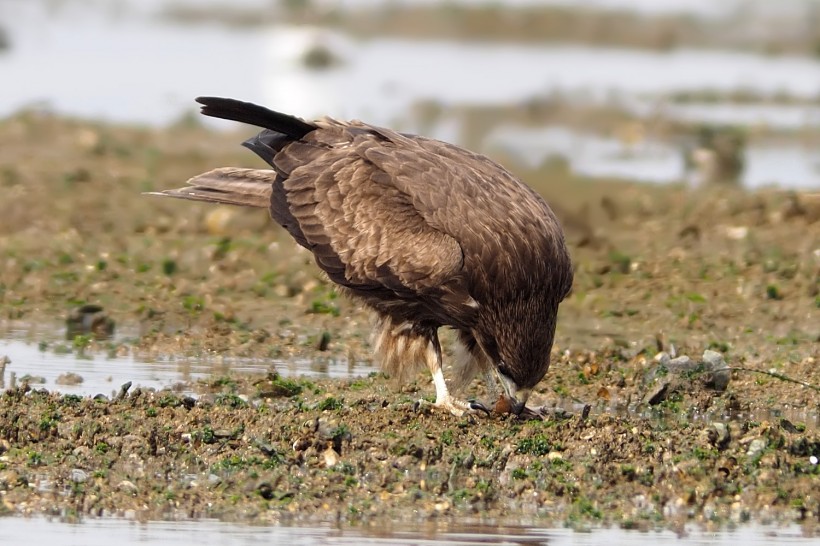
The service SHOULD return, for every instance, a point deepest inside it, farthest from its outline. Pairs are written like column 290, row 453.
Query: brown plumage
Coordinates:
column 425, row 233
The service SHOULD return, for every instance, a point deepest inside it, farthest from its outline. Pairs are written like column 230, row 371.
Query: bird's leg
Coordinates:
column 444, row 399
column 493, row 388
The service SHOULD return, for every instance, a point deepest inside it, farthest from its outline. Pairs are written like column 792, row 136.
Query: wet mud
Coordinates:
column 630, row 434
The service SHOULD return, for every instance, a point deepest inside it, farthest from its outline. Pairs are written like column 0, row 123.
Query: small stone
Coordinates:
column 69, row 378
column 123, row 390
column 78, row 475
column 658, row 394
column 756, row 447
column 331, row 457
column 681, row 364
column 89, row 319
column 788, row 426
column 265, row 490
column 127, row 487
column 719, row 372
column 441, row 506
column 81, row 451
column 662, row 358
column 718, row 434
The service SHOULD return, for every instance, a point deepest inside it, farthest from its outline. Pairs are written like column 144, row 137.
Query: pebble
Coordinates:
column 81, row 451
column 718, row 434
column 658, row 394
column 128, row 487
column 89, row 319
column 331, row 457
column 717, row 374
column 720, row 373
column 681, row 364
column 69, row 378
column 756, row 447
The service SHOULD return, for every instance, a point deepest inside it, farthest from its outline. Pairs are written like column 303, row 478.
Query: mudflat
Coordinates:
column 632, row 432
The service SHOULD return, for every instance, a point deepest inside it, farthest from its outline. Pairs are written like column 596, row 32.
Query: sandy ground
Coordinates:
column 629, row 436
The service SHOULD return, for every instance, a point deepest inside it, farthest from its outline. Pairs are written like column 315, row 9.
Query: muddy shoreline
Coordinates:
column 621, row 28
column 658, row 270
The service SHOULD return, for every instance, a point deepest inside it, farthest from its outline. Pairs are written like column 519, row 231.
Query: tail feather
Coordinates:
column 253, row 114
column 228, row 185
column 280, row 129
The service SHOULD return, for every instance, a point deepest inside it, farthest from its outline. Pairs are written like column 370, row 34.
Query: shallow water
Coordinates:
column 790, row 117
column 102, row 374
column 103, row 532
column 125, row 65
column 132, row 67
column 787, row 166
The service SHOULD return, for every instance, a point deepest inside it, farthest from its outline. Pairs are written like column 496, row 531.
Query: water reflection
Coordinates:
column 102, row 532
column 103, row 374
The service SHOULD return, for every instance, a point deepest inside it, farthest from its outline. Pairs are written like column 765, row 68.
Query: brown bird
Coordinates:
column 425, row 233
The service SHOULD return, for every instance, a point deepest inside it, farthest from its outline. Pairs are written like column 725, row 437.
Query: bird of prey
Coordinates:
column 425, row 233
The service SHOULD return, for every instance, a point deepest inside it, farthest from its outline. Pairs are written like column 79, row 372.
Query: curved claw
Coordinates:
column 478, row 406
column 454, row 406
column 529, row 414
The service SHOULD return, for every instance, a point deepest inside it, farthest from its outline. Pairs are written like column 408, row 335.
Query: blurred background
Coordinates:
column 692, row 91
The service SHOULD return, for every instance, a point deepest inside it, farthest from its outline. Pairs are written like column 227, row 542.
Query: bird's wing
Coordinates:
column 364, row 231
column 506, row 229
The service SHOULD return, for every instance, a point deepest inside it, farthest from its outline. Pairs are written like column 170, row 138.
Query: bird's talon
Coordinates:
column 456, row 407
column 478, row 406
column 529, row 414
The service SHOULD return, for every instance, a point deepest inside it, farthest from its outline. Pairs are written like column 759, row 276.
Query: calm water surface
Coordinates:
column 104, row 375
column 37, row 531
column 783, row 165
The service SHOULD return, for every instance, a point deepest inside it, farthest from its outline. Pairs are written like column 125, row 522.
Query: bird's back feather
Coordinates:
column 416, row 227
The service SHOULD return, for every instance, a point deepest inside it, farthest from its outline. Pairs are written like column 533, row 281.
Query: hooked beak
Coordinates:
column 513, row 398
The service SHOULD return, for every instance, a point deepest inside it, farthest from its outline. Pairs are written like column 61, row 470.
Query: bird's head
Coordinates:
column 514, row 395
column 520, row 348
column 517, row 326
